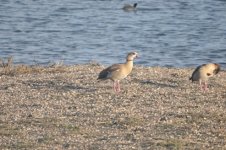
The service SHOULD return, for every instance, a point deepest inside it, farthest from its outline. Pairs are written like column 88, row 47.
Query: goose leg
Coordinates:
column 200, row 84
column 118, row 85
column 205, row 86
column 115, row 86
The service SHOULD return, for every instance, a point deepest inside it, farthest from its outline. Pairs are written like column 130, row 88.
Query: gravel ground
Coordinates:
column 65, row 107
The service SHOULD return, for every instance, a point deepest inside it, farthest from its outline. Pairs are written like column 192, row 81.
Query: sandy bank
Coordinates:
column 64, row 107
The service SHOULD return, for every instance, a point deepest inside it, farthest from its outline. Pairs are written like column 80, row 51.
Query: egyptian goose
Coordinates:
column 118, row 72
column 203, row 72
column 128, row 7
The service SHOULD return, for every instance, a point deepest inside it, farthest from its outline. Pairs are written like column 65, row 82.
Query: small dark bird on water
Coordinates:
column 128, row 7
column 118, row 72
column 203, row 72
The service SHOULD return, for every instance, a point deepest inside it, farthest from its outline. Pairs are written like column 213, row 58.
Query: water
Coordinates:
column 176, row 33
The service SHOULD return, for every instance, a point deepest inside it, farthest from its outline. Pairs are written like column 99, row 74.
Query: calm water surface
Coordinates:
column 177, row 33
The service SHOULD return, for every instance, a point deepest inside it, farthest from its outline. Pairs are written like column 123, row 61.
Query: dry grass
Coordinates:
column 9, row 69
column 64, row 107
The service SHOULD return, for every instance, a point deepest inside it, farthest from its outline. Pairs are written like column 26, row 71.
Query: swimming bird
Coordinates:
column 203, row 72
column 117, row 72
column 128, row 7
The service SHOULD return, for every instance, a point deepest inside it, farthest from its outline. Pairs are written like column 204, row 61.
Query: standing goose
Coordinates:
column 203, row 72
column 118, row 72
column 128, row 7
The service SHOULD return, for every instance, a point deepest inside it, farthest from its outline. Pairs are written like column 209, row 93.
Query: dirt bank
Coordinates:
column 64, row 107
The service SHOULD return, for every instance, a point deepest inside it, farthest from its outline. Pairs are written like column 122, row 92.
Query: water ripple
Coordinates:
column 165, row 33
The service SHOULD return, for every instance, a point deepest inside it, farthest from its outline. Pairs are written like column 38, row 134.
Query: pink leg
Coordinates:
column 205, row 86
column 118, row 86
column 115, row 86
column 200, row 84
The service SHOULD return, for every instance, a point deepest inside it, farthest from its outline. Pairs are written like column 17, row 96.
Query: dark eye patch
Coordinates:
column 216, row 71
column 208, row 74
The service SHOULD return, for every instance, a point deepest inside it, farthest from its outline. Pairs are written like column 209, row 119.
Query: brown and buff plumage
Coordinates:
column 118, row 72
column 203, row 72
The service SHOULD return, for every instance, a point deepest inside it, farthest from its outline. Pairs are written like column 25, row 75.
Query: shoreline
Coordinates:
column 65, row 107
